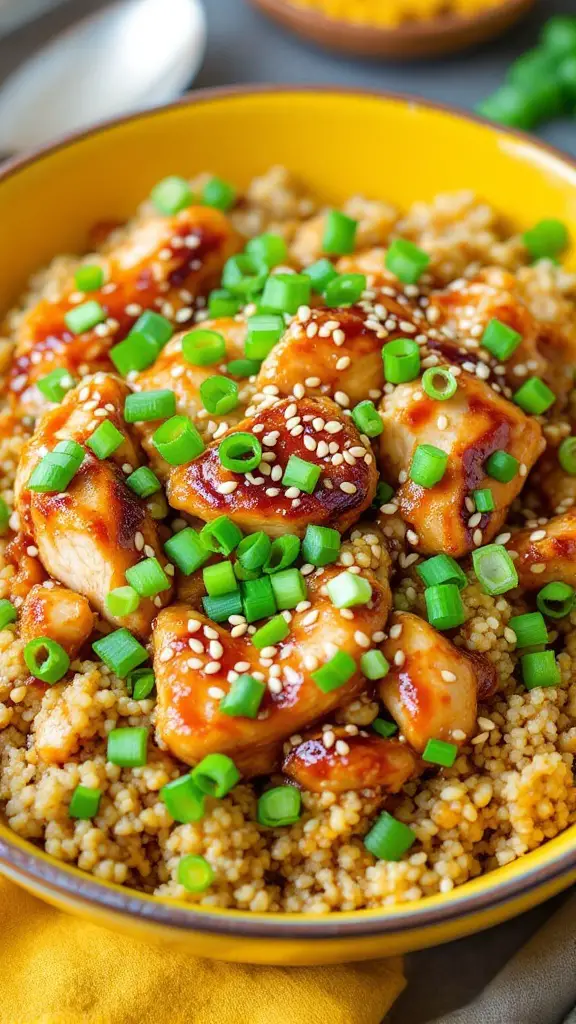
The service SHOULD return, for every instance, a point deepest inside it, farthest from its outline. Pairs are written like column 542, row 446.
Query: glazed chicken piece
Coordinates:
column 57, row 613
column 159, row 263
column 371, row 762
column 27, row 568
column 546, row 554
column 312, row 429
column 474, row 423
column 89, row 535
column 189, row 722
column 432, row 688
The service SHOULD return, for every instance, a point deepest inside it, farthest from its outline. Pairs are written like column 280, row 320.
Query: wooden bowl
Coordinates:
column 433, row 37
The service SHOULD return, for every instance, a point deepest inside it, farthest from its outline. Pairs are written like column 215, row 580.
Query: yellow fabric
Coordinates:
column 59, row 970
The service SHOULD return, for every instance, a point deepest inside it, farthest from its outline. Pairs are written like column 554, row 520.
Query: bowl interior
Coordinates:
column 340, row 144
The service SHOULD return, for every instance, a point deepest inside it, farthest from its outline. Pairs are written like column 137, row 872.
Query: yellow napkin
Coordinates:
column 59, row 970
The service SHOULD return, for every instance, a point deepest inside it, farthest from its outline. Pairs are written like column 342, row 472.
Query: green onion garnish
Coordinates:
column 56, row 384
column 240, row 452
column 567, row 455
column 258, row 599
column 320, row 274
column 540, row 669
column 89, row 278
column 401, row 360
column 348, row 590
column 46, row 659
column 201, row 347
column 195, row 873
column 275, row 630
column 440, row 752
column 439, row 383
column 222, row 607
column 153, row 326
column 556, row 600
column 339, row 234
column 534, row 396
column 285, row 293
column 142, row 406
column 140, row 683
column 219, row 193
column 148, row 578
column 301, row 474
column 406, row 261
column 484, row 500
column 171, row 195
column 8, row 613
column 502, row 466
column 4, row 516
column 183, row 800
column 428, row 465
column 335, row 673
column 367, row 419
column 374, row 665
column 264, row 330
column 85, row 803
column 500, row 340
column 279, row 806
column 187, row 550
column 105, row 439
column 283, row 552
column 127, row 747
column 243, row 367
column 441, row 569
column 244, row 274
column 137, row 352
column 122, row 601
column 530, row 629
column 222, row 303
column 216, row 775
column 178, row 441
column 221, row 535
column 345, row 289
column 389, row 839
column 384, row 728
column 444, row 606
column 269, row 248
column 384, row 493
column 495, row 569
column 321, row 545
column 143, row 482
column 55, row 470
column 546, row 239
column 219, row 395
column 219, row 579
column 120, row 651
column 85, row 317
column 253, row 551
column 289, row 588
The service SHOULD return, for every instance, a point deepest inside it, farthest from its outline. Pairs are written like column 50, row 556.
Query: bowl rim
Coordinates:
column 23, row 862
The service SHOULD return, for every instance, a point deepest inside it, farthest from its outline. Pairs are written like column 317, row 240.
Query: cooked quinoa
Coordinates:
column 511, row 787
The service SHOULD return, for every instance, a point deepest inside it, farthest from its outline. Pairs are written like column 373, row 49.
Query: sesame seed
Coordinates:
column 503, row 538
column 239, row 630
column 399, row 658
column 459, row 735
column 328, row 739
column 475, row 519
column 342, row 747
column 348, row 487
column 166, row 654
column 538, row 535
column 447, row 676
column 510, row 635
column 343, row 363
column 310, row 443
column 196, row 645
column 537, row 568
column 228, row 487
column 361, row 639
column 396, row 631
column 333, row 427
column 193, row 625
column 212, row 667
column 312, row 382
column 215, row 691
column 477, row 537
column 32, row 550
column 215, row 649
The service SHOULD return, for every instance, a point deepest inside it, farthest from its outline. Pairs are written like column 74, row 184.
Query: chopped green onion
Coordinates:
column 243, row 367
column 221, row 608
column 530, row 629
column 264, row 331
column 275, row 630
column 178, row 441
column 367, row 419
column 153, row 326
column 201, row 347
column 339, row 234
column 440, row 752
column 253, row 551
column 55, row 384
column 219, row 395
column 540, row 669
column 389, row 839
column 384, row 728
column 221, row 535
column 348, row 590
column 171, row 195
column 143, row 482
column 321, row 545
column 500, row 340
column 495, row 569
column 441, row 569
column 301, row 474
column 140, row 683
column 428, row 465
column 444, row 606
column 105, row 439
column 345, row 289
column 56, row 469
column 279, row 806
column 556, row 600
column 439, row 383
column 502, row 466
column 484, row 500
column 401, row 360
column 546, row 239
column 534, row 396
column 219, row 194
column 148, row 578
column 216, row 775
column 222, row 303
column 85, row 317
column 285, row 293
column 4, row 516
column 406, row 261
column 246, row 574
column 373, row 665
column 258, row 599
column 46, row 659
column 127, row 747
column 142, row 406
column 384, row 493
column 120, row 651
column 137, row 352
column 567, row 455
column 244, row 274
column 524, row 106
column 559, row 35
column 321, row 274
column 195, row 873
column 187, row 550
column 183, row 800
column 122, row 601
column 89, row 278
column 8, row 613
column 219, row 579
column 85, row 803
column 269, row 248
column 240, row 452
column 283, row 552
column 289, row 588
column 335, row 673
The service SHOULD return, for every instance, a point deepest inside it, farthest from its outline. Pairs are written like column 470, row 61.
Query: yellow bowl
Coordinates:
column 341, row 143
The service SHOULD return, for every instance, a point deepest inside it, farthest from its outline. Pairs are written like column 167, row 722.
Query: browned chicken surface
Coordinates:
column 58, row 613
column 545, row 554
column 312, row 429
column 338, row 762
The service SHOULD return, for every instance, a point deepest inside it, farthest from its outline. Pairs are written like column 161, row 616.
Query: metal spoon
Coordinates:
column 132, row 55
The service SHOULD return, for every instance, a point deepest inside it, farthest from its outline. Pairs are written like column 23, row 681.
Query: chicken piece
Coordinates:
column 337, row 350
column 432, row 688
column 69, row 716
column 89, row 535
column 547, row 553
column 28, row 569
column 173, row 372
column 473, row 423
column 59, row 614
column 370, row 762
column 313, row 429
column 164, row 261
column 554, row 484
column 188, row 718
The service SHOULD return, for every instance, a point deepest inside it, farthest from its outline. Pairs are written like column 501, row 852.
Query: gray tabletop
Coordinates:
column 245, row 47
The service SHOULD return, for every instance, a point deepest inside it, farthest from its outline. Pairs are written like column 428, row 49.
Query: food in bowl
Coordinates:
column 288, row 586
